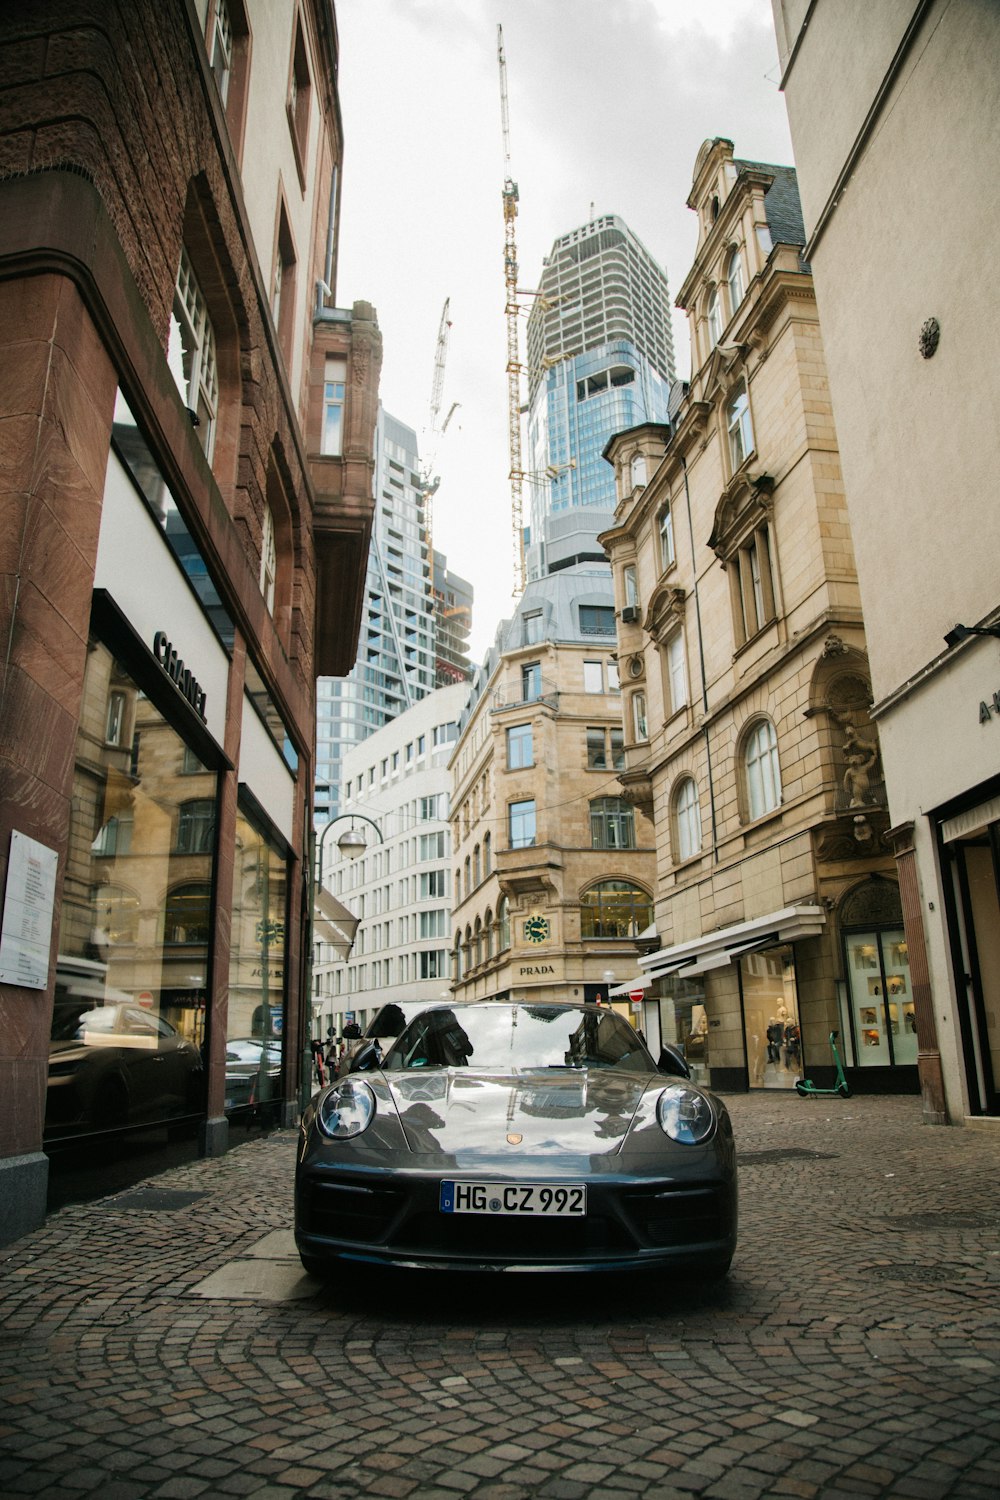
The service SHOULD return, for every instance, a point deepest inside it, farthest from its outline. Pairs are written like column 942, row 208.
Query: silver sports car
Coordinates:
column 514, row 1137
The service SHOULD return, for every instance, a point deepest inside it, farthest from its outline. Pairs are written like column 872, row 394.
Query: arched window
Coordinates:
column 687, row 819
column 468, row 875
column 477, row 869
column 763, row 774
column 612, row 823
column 614, row 909
column 503, row 924
column 487, row 854
column 640, row 724
column 457, row 962
column 477, row 943
column 488, row 935
column 739, row 426
column 734, row 277
column 714, row 318
column 467, row 949
column 268, row 560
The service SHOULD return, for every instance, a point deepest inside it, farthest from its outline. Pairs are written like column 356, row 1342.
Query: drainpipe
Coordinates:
column 701, row 662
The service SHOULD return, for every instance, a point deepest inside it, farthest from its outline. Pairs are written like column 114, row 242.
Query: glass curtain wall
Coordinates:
column 256, row 1016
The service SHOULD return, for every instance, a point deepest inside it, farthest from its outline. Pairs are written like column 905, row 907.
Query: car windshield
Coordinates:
column 517, row 1038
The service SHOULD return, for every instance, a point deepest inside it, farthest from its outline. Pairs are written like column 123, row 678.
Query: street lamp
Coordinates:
column 959, row 633
column 352, row 841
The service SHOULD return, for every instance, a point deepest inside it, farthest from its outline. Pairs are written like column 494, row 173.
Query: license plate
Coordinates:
column 542, row 1199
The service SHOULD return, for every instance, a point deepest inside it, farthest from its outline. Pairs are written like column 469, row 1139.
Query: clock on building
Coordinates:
column 536, row 928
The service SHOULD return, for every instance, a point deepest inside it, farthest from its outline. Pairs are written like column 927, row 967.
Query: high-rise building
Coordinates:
column 600, row 359
column 403, row 628
column 452, row 623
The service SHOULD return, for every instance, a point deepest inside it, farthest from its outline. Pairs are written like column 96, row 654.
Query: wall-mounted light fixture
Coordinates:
column 959, row 633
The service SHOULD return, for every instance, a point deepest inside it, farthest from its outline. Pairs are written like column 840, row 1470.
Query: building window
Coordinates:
column 520, row 752
column 533, row 628
column 221, row 49
column 597, row 755
column 752, row 585
column 597, row 619
column 531, row 681
column 433, row 964
column 299, row 96
column 614, row 909
column 432, row 884
column 503, row 924
column 334, row 386
column 667, row 555
column 269, row 561
column 676, row 672
column 739, row 426
column 477, row 866
column 593, row 677
column 283, row 285
column 639, row 722
column 114, row 837
column 115, row 727
column 734, row 276
column 637, row 470
column 631, row 585
column 196, row 826
column 687, row 819
column 191, row 355
column 487, row 855
column 763, row 774
column 188, row 915
column 457, row 956
column 521, row 824
column 612, row 823
column 714, row 318
column 432, row 846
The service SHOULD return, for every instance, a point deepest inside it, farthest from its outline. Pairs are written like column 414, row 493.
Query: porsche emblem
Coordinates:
column 514, row 1140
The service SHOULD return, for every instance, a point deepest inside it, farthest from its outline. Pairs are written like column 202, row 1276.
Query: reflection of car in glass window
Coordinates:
column 253, row 1071
column 112, row 1065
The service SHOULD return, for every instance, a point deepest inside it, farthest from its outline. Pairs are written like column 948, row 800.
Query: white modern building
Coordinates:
column 386, row 857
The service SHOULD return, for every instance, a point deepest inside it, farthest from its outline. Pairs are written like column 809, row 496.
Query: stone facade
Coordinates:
column 911, row 96
column 553, row 868
column 123, row 133
column 743, row 655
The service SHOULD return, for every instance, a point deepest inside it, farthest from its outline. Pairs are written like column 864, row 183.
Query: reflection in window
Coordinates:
column 196, row 826
column 688, row 819
column 257, row 956
column 188, row 916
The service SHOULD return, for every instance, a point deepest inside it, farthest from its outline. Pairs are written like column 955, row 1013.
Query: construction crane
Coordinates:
column 511, row 309
column 430, row 480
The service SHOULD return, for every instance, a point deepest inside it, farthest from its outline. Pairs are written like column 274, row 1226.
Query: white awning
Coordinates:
column 333, row 923
column 716, row 949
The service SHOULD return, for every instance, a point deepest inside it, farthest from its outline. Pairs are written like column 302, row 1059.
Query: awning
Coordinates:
column 714, row 950
column 333, row 923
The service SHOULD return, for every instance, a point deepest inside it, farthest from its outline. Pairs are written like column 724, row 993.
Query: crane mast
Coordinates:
column 511, row 309
column 429, row 480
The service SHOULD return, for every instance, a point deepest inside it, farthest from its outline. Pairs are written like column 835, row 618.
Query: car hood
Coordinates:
column 470, row 1116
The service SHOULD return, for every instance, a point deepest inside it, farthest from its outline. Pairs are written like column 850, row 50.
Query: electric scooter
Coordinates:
column 842, row 1087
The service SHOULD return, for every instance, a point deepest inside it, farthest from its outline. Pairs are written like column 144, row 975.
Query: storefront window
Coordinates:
column 771, row 1018
column 135, row 932
column 880, row 998
column 256, row 1017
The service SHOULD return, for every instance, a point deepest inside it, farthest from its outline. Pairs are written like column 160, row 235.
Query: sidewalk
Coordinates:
column 163, row 1342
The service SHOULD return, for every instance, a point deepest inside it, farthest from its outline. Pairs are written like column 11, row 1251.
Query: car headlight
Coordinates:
column 346, row 1110
column 685, row 1115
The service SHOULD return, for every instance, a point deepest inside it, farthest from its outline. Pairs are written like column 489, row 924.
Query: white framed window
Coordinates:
column 637, row 470
column 640, row 723
column 191, row 354
column 739, row 426
column 334, row 386
column 268, row 561
column 676, row 671
column 222, row 48
column 612, row 823
column 734, row 278
column 631, row 585
column 763, row 774
column 533, row 628
column 714, row 318
column 519, row 747
column 521, row 824
column 593, row 677
column 753, row 585
column 687, row 816
column 666, row 528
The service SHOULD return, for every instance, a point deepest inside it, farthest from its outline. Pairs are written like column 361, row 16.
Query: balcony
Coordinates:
column 523, row 695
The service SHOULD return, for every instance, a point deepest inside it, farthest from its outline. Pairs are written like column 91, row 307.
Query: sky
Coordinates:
column 609, row 103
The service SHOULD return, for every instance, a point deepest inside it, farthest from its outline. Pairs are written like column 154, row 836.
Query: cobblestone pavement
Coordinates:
column 162, row 1342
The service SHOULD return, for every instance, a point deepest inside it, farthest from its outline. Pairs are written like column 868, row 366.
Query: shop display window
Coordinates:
column 771, row 1018
column 256, row 1014
column 132, row 970
column 881, row 1015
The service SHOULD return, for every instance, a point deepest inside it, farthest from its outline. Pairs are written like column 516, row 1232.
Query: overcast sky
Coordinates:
column 609, row 101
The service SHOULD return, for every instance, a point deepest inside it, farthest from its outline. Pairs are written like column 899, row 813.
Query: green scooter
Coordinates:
column 841, row 1087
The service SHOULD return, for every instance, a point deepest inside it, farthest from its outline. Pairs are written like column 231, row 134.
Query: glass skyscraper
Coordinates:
column 600, row 360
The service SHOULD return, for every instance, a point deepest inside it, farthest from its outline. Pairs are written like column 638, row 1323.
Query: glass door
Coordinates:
column 771, row 1018
column 880, row 998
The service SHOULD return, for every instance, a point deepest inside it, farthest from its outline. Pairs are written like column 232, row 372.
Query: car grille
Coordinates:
column 349, row 1211
column 518, row 1237
column 688, row 1215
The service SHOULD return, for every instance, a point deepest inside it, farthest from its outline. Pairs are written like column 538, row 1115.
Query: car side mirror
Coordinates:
column 367, row 1059
column 673, row 1061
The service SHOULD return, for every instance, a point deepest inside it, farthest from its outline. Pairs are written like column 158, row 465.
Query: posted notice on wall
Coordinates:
column 26, row 934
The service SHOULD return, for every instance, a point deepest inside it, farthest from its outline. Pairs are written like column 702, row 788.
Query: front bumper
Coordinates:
column 392, row 1218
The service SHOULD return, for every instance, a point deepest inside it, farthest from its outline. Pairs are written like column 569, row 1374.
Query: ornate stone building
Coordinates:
column 186, row 420
column 553, row 866
column 745, row 679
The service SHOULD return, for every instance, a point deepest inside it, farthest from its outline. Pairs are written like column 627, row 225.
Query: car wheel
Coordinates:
column 313, row 1266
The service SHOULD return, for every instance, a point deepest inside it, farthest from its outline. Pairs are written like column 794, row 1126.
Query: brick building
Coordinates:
column 745, row 679
column 186, row 422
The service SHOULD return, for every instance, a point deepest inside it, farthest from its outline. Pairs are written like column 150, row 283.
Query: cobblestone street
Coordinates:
column 163, row 1342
